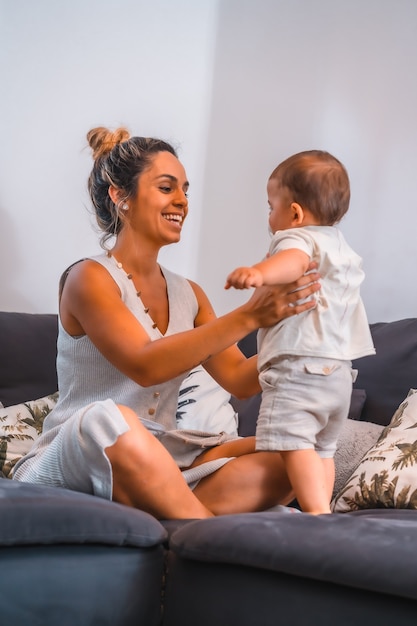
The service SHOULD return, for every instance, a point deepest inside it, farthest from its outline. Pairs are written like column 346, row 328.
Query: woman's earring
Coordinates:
column 122, row 206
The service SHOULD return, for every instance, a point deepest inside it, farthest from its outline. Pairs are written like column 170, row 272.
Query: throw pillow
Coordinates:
column 204, row 405
column 386, row 477
column 20, row 426
column 354, row 442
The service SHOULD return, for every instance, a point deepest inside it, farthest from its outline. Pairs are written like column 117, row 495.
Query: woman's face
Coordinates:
column 160, row 206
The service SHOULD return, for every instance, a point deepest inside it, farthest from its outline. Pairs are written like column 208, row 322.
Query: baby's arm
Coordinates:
column 284, row 267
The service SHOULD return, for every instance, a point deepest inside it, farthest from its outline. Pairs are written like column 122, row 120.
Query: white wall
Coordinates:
column 69, row 66
column 292, row 75
column 240, row 85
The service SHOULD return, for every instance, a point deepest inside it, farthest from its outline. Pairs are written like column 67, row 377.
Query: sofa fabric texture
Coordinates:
column 324, row 547
column 209, row 594
column 60, row 516
column 71, row 558
column 68, row 585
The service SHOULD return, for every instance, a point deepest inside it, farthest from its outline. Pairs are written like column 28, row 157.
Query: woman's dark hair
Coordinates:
column 318, row 182
column 119, row 160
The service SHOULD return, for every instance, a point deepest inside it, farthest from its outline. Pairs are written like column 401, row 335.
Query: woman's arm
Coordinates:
column 91, row 304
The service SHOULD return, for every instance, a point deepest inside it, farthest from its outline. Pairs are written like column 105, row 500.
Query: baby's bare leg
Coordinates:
column 310, row 477
column 329, row 469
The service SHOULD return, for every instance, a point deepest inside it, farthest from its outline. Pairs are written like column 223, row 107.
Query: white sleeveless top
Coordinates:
column 85, row 375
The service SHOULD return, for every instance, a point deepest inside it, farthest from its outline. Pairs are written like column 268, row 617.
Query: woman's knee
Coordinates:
column 128, row 414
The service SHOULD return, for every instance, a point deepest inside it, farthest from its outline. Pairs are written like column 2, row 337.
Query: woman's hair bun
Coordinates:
column 102, row 140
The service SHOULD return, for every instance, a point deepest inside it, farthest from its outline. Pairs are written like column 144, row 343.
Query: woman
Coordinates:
column 129, row 332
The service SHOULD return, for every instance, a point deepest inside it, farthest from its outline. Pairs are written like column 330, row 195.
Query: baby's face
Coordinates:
column 281, row 213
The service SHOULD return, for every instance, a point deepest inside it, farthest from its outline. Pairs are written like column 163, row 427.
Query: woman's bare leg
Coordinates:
column 253, row 481
column 236, row 447
column 146, row 476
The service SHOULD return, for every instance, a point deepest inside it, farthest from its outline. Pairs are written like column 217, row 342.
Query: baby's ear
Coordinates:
column 297, row 214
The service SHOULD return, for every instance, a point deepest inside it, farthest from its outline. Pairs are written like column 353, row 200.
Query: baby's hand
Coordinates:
column 243, row 278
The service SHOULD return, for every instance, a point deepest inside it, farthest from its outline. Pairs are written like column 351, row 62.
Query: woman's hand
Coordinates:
column 270, row 305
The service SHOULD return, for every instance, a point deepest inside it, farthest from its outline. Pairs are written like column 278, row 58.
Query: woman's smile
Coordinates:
column 174, row 218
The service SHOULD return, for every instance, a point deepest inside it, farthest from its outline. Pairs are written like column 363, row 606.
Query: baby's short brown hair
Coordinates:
column 318, row 182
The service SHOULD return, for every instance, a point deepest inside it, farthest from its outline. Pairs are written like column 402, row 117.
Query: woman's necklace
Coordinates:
column 130, row 277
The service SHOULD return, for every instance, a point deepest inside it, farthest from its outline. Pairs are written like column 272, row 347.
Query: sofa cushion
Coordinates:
column 386, row 477
column 20, row 426
column 34, row 514
column 28, row 355
column 371, row 552
column 388, row 375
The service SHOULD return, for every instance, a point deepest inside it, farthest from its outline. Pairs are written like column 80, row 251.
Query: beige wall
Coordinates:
column 239, row 85
column 292, row 75
column 69, row 66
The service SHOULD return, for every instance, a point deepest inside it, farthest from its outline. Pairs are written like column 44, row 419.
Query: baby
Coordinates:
column 304, row 362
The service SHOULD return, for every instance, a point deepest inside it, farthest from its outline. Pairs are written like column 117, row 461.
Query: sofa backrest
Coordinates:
column 27, row 356
column 388, row 376
column 28, row 364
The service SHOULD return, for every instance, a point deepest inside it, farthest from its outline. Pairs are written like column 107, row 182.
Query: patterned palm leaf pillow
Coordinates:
column 20, row 426
column 205, row 406
column 386, row 477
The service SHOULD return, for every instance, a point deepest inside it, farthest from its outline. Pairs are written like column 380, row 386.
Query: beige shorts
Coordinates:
column 304, row 404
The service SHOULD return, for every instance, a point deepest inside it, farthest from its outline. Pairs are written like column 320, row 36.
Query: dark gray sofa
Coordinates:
column 72, row 558
column 68, row 558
